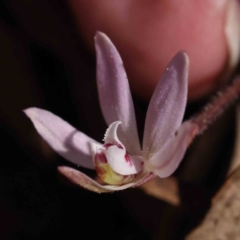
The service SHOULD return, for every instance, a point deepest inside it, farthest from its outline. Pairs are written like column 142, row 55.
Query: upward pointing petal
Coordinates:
column 114, row 93
column 167, row 106
column 62, row 137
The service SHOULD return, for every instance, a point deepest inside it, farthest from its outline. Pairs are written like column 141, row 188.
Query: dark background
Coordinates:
column 44, row 63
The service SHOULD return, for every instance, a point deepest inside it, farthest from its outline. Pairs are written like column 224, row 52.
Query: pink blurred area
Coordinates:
column 149, row 33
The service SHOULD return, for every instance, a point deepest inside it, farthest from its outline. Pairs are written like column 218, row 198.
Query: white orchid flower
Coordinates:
column 120, row 161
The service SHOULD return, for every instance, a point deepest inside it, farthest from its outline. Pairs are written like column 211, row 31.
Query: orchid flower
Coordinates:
column 120, row 161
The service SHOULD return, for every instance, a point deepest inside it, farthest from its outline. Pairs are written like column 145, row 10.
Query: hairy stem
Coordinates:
column 217, row 105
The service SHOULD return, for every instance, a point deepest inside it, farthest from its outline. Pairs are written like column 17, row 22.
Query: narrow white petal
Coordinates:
column 167, row 159
column 167, row 106
column 62, row 137
column 114, row 93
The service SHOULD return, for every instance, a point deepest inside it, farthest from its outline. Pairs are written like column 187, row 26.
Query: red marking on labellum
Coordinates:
column 107, row 145
column 100, row 157
column 128, row 160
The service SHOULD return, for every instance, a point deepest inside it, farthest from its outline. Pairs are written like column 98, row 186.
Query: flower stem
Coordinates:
column 217, row 105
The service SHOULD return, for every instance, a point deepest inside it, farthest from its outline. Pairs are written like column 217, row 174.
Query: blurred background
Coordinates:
column 45, row 62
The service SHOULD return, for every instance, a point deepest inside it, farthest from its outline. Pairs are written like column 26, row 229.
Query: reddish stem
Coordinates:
column 217, row 106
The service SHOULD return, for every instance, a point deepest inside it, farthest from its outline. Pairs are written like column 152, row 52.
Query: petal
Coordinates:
column 111, row 134
column 116, row 154
column 121, row 162
column 167, row 159
column 114, row 93
column 167, row 105
column 62, row 137
column 104, row 170
column 83, row 180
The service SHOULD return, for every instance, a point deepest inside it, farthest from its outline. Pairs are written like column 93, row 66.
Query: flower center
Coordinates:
column 106, row 173
column 112, row 162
